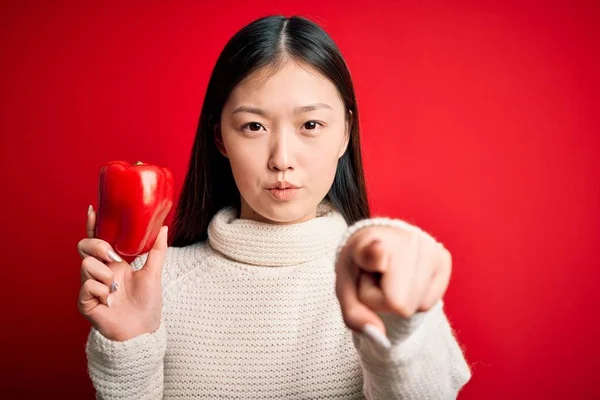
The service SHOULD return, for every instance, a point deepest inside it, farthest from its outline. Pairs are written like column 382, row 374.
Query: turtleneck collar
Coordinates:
column 264, row 244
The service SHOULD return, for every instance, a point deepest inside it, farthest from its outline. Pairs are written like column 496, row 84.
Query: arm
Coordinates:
column 424, row 362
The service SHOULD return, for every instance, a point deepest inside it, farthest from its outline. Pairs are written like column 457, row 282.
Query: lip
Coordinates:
column 283, row 185
column 284, row 194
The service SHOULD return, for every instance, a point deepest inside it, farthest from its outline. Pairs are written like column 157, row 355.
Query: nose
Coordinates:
column 281, row 157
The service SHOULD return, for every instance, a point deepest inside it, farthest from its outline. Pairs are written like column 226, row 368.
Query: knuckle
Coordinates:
column 81, row 247
column 87, row 285
column 446, row 257
column 350, row 317
column 428, row 303
column 400, row 307
column 371, row 253
column 411, row 231
column 417, row 236
column 87, row 263
column 80, row 297
column 358, row 239
column 92, row 286
column 347, row 319
column 97, row 247
column 375, row 251
column 406, row 233
column 363, row 295
column 370, row 298
column 103, row 246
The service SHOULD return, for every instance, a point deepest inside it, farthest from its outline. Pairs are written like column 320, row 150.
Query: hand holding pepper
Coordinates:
column 119, row 302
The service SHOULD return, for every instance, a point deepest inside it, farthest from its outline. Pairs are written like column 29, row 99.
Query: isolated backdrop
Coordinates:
column 479, row 125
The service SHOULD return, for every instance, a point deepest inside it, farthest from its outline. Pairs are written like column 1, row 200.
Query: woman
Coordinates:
column 277, row 283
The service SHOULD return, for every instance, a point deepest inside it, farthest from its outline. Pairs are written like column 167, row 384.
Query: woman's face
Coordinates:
column 290, row 126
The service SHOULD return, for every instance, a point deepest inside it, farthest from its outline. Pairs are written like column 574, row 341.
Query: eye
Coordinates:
column 253, row 126
column 312, row 125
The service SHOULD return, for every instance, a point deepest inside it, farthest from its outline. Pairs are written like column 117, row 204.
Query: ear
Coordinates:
column 347, row 134
column 219, row 139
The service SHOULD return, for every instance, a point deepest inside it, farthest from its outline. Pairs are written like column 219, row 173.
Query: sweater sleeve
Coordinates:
column 425, row 360
column 132, row 369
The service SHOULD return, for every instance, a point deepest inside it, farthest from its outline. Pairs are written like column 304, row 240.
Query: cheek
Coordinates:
column 246, row 164
column 321, row 166
column 237, row 152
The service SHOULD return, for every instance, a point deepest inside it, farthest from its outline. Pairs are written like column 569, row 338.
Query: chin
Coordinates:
column 284, row 213
column 288, row 212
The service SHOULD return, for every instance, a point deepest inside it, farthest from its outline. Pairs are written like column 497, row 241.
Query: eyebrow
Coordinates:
column 297, row 110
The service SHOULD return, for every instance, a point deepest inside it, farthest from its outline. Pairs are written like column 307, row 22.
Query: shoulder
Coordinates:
column 182, row 260
column 179, row 261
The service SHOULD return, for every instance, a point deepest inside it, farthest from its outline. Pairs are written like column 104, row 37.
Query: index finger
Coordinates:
column 354, row 312
column 90, row 225
column 397, row 282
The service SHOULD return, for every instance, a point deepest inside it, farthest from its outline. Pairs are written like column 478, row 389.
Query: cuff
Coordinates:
column 399, row 329
column 132, row 354
column 407, row 336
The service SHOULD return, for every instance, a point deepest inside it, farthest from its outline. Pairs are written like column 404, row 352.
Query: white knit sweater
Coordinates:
column 252, row 314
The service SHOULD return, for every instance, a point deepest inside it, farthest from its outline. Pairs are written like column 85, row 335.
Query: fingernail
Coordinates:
column 114, row 256
column 373, row 333
column 114, row 286
column 108, row 300
column 90, row 209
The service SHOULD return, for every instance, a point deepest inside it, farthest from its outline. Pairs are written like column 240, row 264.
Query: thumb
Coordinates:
column 156, row 256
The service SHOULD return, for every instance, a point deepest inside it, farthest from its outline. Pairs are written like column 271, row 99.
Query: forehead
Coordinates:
column 290, row 84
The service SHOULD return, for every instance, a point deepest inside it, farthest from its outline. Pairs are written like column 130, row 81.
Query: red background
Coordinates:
column 479, row 125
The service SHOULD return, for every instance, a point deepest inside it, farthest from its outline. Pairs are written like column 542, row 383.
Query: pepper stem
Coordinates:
column 138, row 163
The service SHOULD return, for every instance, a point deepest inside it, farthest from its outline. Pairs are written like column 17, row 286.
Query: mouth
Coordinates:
column 284, row 194
column 283, row 185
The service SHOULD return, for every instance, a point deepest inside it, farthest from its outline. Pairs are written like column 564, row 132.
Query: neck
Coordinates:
column 266, row 244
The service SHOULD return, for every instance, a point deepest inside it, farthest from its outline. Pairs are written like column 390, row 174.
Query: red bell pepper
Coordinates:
column 133, row 202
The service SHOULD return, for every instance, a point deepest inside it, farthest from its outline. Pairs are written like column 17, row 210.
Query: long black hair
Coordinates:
column 209, row 184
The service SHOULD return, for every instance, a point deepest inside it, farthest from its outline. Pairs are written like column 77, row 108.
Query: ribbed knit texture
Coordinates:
column 252, row 314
